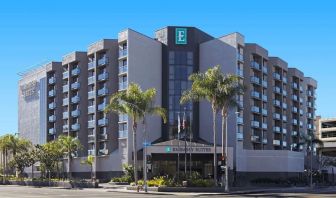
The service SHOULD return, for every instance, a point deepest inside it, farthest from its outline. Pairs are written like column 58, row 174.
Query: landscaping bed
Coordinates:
column 63, row 184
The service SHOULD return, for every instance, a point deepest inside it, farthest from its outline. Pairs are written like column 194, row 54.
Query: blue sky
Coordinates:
column 301, row 32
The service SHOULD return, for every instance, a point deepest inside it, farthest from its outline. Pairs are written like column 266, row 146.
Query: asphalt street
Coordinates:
column 33, row 192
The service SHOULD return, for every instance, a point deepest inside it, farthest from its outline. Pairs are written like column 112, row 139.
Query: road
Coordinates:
column 31, row 192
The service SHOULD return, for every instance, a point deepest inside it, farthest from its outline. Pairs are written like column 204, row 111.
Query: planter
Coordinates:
column 119, row 183
column 64, row 184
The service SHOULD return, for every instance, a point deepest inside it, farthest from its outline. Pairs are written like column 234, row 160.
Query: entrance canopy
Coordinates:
column 179, row 146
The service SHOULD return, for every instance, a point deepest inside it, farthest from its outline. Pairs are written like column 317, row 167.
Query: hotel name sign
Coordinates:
column 30, row 89
column 181, row 149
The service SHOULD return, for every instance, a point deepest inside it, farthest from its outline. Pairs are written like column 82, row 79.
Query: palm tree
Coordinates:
column 229, row 89
column 4, row 146
column 70, row 146
column 309, row 140
column 89, row 161
column 205, row 87
column 136, row 104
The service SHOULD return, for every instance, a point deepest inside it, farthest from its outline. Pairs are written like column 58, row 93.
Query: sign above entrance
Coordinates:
column 181, row 36
column 181, row 149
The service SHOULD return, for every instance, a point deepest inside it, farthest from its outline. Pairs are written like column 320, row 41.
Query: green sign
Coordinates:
column 181, row 36
column 168, row 149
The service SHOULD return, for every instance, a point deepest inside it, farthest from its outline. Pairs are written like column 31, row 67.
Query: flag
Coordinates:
column 178, row 123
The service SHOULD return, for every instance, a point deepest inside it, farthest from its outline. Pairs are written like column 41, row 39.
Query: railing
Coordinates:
column 122, row 53
column 52, row 80
column 255, row 124
column 91, row 123
column 102, row 91
column 102, row 106
column 255, row 65
column 102, row 122
column 52, row 93
column 123, row 85
column 65, row 88
column 65, row 74
column 103, row 61
column 75, row 113
column 65, row 101
column 75, row 72
column 123, row 69
column 52, row 105
column 91, row 109
column 75, row 99
column 65, row 115
column 91, row 94
column 92, row 64
column 75, row 127
column 75, row 85
column 276, row 142
column 123, row 133
column 91, row 80
column 103, row 76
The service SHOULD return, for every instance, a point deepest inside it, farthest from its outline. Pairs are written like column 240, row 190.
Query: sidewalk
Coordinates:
column 122, row 189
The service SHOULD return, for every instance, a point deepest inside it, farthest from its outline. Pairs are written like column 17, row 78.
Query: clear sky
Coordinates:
column 31, row 32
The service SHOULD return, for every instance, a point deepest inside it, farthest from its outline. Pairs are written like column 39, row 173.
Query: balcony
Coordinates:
column 75, row 127
column 295, row 110
column 295, row 85
column 102, row 106
column 295, row 97
column 310, row 93
column 264, row 69
column 276, row 129
column 91, row 94
column 103, row 61
column 284, row 144
column 92, row 64
column 264, row 112
column 284, row 92
column 301, row 100
column 122, row 53
column 294, row 145
column 255, row 109
column 123, row 85
column 310, row 104
column 264, row 97
column 91, row 152
column 52, row 105
column 91, row 139
column 103, row 137
column 52, row 131
column 240, row 120
column 65, row 101
column 123, row 69
column 294, row 133
column 277, row 89
column 264, row 125
column 75, row 99
column 301, row 123
column 123, row 117
column 255, row 80
column 284, row 118
column 102, row 122
column 91, row 80
column 284, row 131
column 52, row 118
column 103, row 76
column 91, row 124
column 65, row 88
column 75, row 72
column 103, row 152
column 276, row 142
column 52, row 93
column 240, row 136
column 265, row 141
column 301, row 111
column 240, row 72
column 255, row 124
column 103, row 91
column 91, row 109
column 284, row 79
column 52, row 80
column 123, row 134
column 310, row 116
column 264, row 83
column 255, row 65
column 75, row 85
column 276, row 116
column 255, row 138
column 255, row 94
column 65, row 128
column 300, row 88
column 66, row 75
column 240, row 57
column 294, row 121
column 276, row 76
column 65, row 115
column 277, row 103
column 75, row 113
column 284, row 105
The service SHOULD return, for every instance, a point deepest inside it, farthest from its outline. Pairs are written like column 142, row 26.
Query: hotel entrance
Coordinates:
column 168, row 157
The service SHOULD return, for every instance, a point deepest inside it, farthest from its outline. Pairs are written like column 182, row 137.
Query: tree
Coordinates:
column 69, row 146
column 309, row 140
column 136, row 104
column 89, row 161
column 229, row 88
column 19, row 162
column 205, row 86
column 32, row 158
column 4, row 147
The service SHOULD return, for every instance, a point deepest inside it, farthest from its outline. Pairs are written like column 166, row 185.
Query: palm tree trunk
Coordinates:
column 135, row 157
column 69, row 165
column 4, row 166
column 32, row 171
column 214, row 144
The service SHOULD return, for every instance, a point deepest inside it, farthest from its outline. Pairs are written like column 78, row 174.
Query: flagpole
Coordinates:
column 185, row 143
column 178, row 146
column 190, row 131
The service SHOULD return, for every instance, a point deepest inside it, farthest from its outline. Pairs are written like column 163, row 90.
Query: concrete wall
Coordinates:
column 32, row 103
